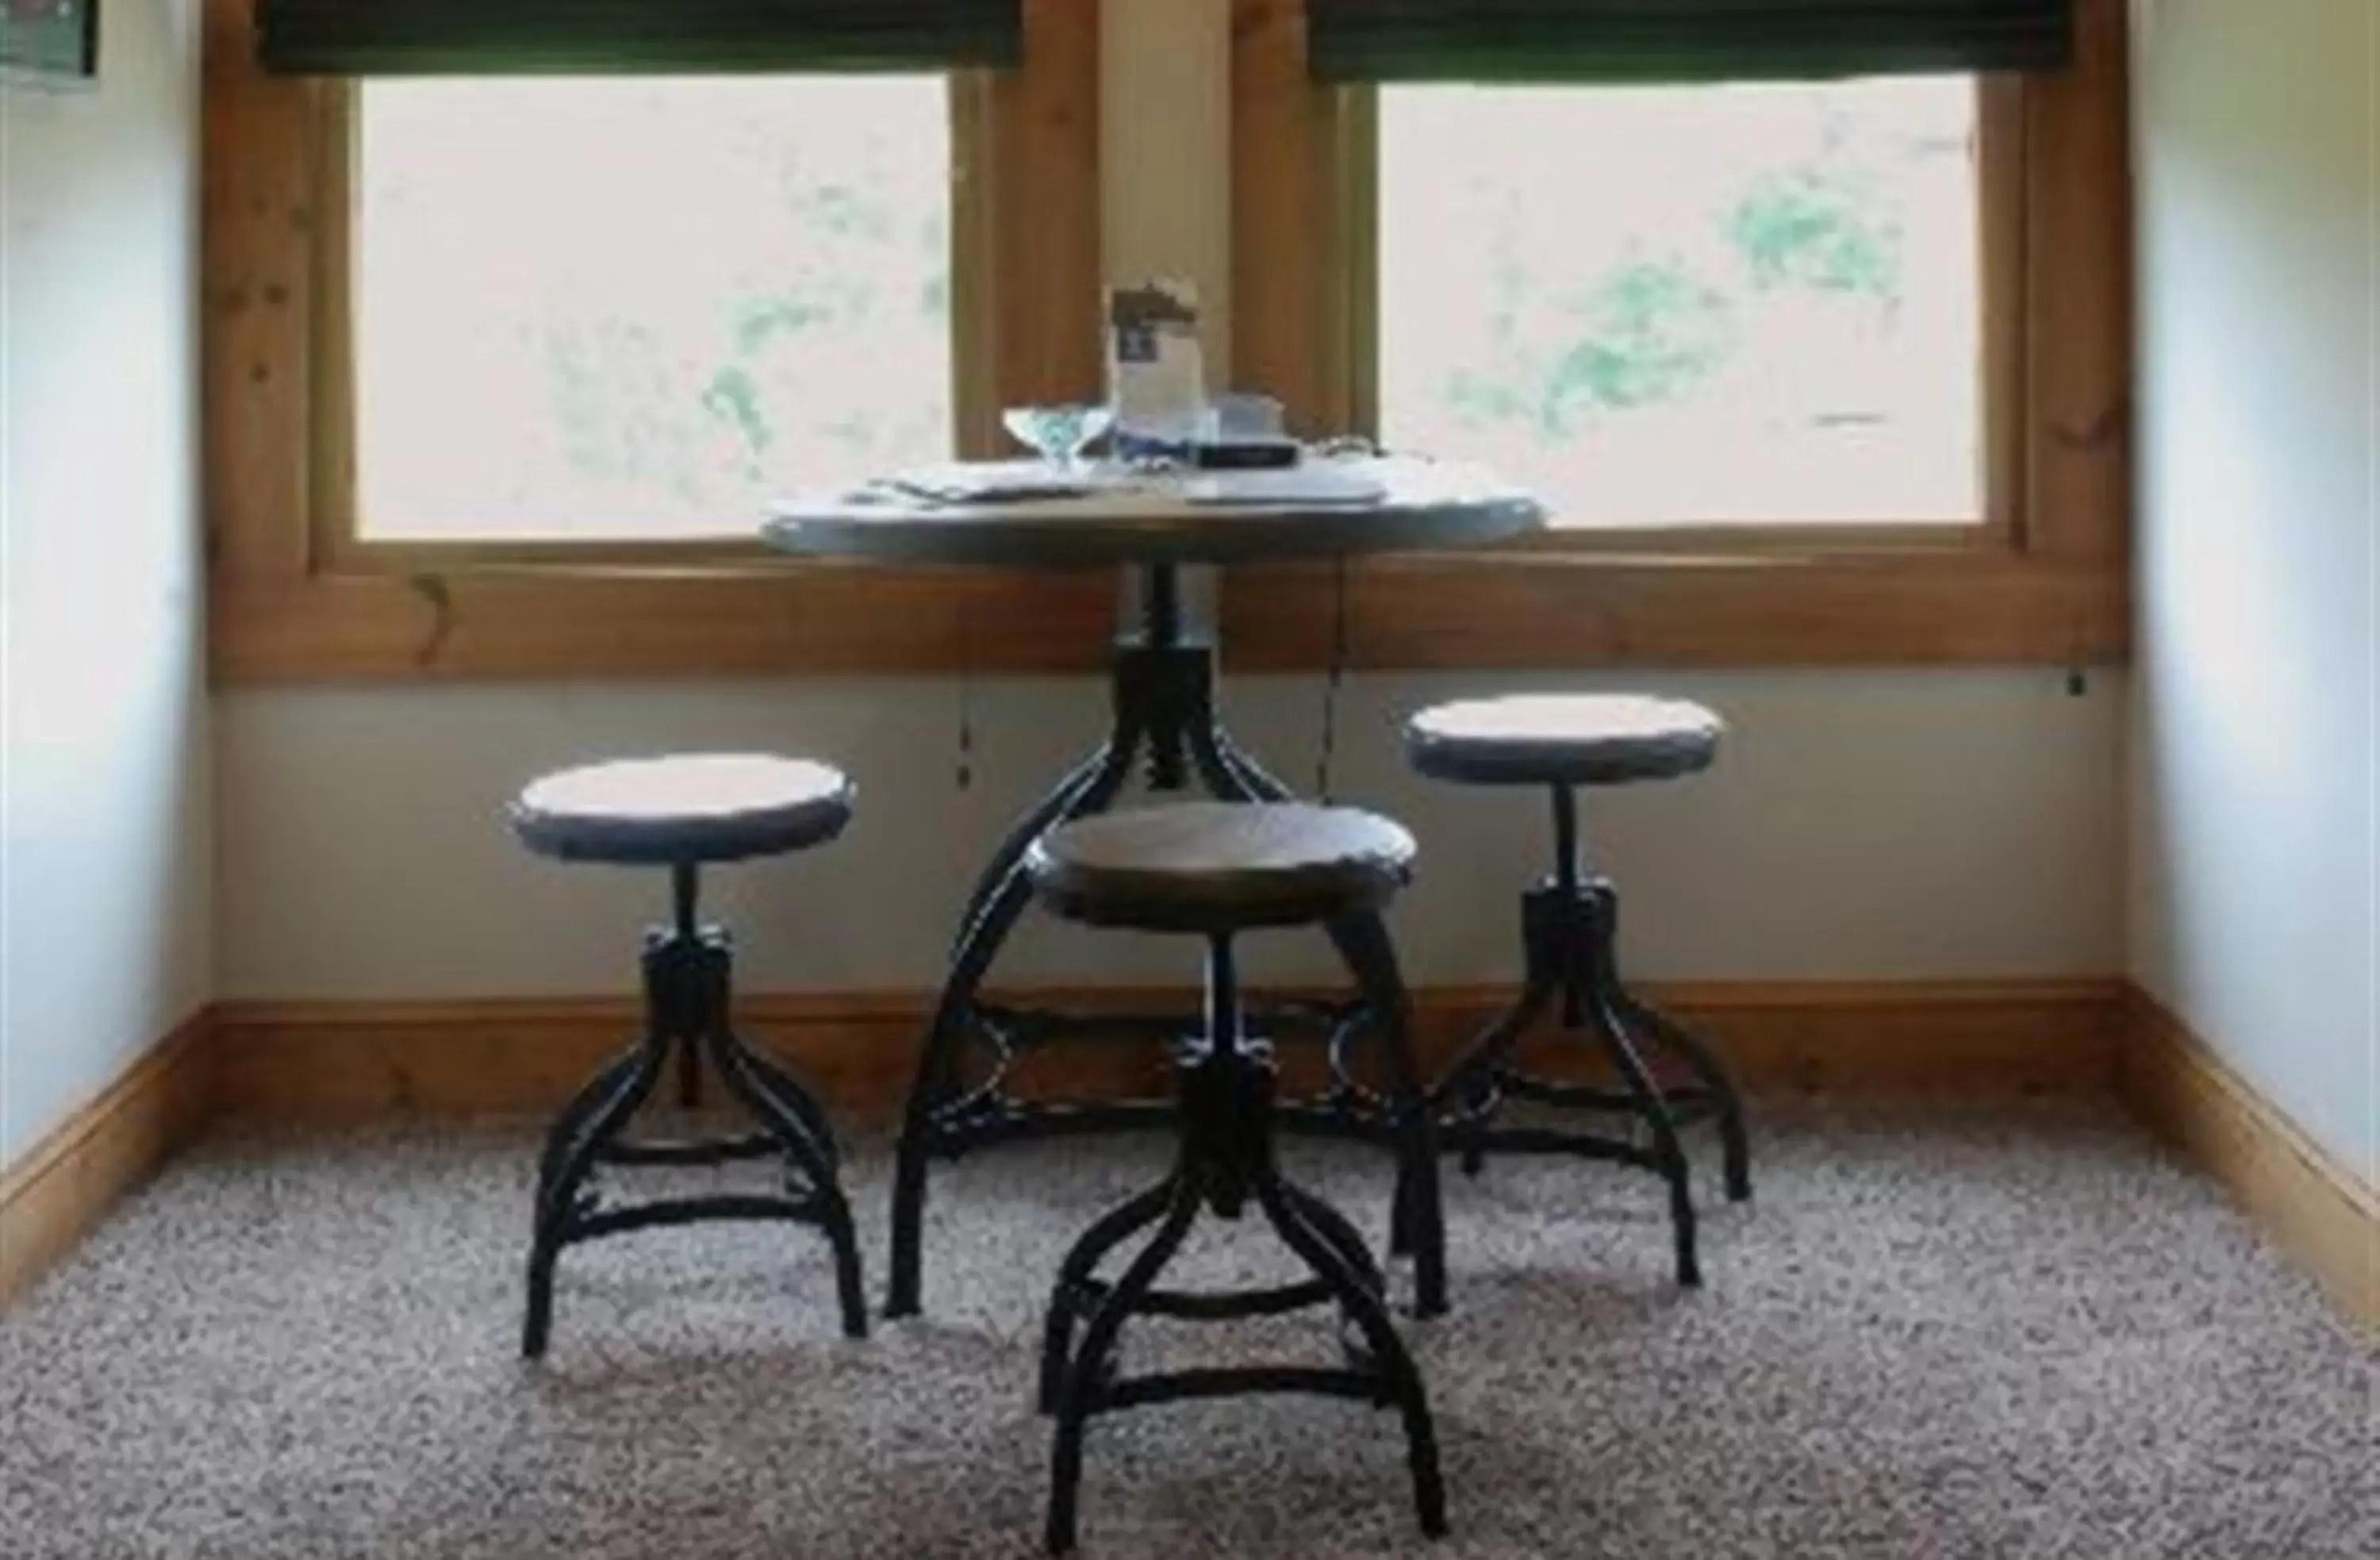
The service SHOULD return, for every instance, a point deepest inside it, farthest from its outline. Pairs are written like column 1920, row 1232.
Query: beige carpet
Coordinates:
column 2012, row 1334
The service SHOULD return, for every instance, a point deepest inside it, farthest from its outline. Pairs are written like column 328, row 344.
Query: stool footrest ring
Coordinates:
column 1231, row 1381
column 1553, row 1140
column 1192, row 1306
column 693, row 1210
column 1686, row 1103
column 691, row 1150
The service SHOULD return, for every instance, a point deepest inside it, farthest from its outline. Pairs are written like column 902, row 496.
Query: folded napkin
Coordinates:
column 977, row 481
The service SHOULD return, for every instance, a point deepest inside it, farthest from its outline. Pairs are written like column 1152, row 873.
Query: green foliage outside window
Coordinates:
column 1653, row 327
column 670, row 301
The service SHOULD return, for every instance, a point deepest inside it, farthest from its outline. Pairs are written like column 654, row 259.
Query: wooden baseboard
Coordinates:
column 344, row 1061
column 56, row 1193
column 347, row 1061
column 2320, row 1212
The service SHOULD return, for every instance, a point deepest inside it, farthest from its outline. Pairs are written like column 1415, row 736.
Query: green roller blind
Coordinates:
column 1649, row 40
column 563, row 37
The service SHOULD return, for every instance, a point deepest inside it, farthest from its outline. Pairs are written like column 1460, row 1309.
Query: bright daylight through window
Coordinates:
column 611, row 309
column 1690, row 305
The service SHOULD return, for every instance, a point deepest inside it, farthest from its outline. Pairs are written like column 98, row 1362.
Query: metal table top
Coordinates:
column 1323, row 507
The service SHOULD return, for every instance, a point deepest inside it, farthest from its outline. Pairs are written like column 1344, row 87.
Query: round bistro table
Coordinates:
column 1161, row 683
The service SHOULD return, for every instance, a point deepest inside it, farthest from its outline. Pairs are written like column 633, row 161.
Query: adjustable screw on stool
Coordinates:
column 1215, row 869
column 685, row 813
column 1570, row 921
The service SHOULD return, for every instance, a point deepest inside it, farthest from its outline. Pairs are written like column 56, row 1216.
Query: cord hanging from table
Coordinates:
column 966, row 695
column 1334, row 678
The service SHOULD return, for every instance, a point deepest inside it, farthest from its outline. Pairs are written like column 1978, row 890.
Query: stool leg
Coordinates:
column 1084, row 1375
column 1228, row 773
column 1331, row 1227
column 1113, row 1229
column 1032, row 826
column 558, row 1195
column 1597, row 981
column 583, row 1107
column 1389, row 1353
column 1416, row 1216
column 1474, row 1073
column 788, row 1095
column 1735, row 1148
column 689, row 1077
column 1344, row 1237
column 937, row 1070
column 733, row 1063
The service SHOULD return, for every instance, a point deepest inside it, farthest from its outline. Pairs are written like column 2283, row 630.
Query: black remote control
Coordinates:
column 1244, row 454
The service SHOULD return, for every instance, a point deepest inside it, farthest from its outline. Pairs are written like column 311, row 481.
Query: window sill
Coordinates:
column 1532, row 611
column 1522, row 611
column 495, row 622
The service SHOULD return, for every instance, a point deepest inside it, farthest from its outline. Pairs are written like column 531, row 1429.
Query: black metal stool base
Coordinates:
column 687, row 986
column 1570, row 925
column 1225, row 1164
column 1162, row 690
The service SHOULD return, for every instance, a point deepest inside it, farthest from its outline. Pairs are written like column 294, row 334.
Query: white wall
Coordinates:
column 2252, row 838
column 1879, row 826
column 1872, row 825
column 104, row 814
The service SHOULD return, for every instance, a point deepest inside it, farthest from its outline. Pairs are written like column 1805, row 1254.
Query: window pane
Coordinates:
column 640, row 308
column 1690, row 304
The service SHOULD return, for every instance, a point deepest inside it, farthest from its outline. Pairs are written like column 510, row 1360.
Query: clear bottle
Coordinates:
column 1156, row 377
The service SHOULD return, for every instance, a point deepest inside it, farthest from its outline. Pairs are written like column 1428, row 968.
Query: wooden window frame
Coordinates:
column 293, row 596
column 2044, row 581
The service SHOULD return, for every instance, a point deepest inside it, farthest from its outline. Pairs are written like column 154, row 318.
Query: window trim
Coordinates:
column 2043, row 581
column 297, row 597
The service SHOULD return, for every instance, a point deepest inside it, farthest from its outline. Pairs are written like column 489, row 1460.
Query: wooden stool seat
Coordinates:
column 1562, row 739
column 686, row 809
column 1217, row 867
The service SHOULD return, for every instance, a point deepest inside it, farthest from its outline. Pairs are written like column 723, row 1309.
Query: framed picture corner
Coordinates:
column 49, row 45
